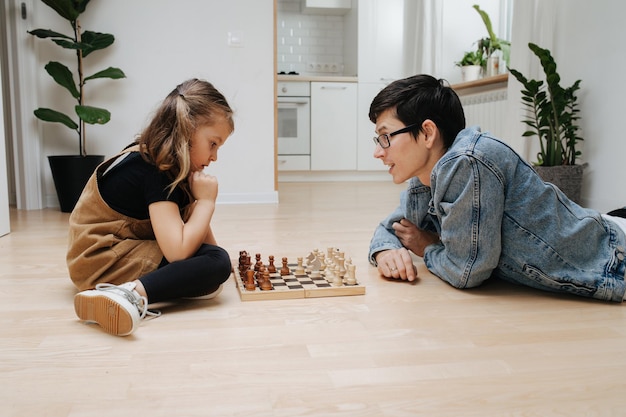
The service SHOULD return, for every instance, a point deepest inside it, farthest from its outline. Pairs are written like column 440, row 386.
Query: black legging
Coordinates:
column 199, row 275
column 620, row 212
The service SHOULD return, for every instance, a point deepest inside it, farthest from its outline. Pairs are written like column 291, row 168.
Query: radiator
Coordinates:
column 487, row 110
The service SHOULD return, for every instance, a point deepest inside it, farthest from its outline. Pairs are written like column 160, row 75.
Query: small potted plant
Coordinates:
column 552, row 116
column 71, row 172
column 471, row 65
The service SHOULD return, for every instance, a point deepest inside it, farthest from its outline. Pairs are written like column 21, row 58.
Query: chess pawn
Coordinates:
column 271, row 268
column 266, row 284
column 258, row 263
column 285, row 268
column 300, row 267
column 337, row 279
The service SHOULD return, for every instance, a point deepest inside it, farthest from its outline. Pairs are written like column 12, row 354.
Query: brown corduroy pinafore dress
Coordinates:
column 104, row 245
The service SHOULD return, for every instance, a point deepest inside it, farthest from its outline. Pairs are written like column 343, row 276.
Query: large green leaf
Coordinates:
column 114, row 73
column 90, row 41
column 49, row 115
column 63, row 76
column 93, row 41
column 93, row 115
column 48, row 33
column 68, row 9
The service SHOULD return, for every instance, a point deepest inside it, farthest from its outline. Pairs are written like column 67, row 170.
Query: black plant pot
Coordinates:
column 70, row 174
column 568, row 178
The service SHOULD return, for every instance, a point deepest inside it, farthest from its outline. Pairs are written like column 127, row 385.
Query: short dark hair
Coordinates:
column 419, row 98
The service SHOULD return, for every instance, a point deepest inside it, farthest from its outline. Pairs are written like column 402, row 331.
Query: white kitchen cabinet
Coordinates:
column 333, row 126
column 366, row 129
column 381, row 41
column 381, row 60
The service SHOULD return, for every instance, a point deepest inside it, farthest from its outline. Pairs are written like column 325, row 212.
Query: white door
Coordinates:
column 19, row 99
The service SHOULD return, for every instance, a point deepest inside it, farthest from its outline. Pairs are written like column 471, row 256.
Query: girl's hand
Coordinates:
column 203, row 186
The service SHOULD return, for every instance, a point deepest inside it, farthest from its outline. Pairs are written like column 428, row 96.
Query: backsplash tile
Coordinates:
column 308, row 44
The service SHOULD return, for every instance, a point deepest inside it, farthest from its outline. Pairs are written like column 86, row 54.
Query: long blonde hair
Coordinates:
column 165, row 142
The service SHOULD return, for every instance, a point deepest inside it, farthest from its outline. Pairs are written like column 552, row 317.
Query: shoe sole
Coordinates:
column 108, row 313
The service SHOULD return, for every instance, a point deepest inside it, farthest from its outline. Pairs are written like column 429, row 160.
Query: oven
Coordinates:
column 294, row 125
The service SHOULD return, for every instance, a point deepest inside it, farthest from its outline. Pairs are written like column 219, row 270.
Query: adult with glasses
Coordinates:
column 474, row 209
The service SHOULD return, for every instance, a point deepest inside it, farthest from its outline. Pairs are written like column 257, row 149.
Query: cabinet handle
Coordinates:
column 327, row 87
column 291, row 104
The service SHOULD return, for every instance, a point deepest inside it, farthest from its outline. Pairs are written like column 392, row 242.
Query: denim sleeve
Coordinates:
column 384, row 236
column 414, row 204
column 469, row 200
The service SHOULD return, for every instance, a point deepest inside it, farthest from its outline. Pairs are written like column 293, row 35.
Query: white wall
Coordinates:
column 158, row 44
column 587, row 38
column 583, row 36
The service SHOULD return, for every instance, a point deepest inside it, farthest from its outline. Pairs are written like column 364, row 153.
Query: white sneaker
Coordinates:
column 116, row 308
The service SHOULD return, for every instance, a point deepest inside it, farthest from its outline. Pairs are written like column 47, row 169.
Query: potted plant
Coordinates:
column 552, row 116
column 471, row 65
column 491, row 44
column 71, row 172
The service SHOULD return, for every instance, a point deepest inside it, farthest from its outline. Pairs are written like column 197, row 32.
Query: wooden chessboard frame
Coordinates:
column 279, row 293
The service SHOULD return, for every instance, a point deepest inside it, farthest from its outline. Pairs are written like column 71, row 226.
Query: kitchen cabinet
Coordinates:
column 381, row 43
column 366, row 129
column 333, row 126
column 381, row 60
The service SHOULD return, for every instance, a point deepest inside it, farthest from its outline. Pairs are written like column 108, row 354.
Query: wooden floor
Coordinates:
column 400, row 350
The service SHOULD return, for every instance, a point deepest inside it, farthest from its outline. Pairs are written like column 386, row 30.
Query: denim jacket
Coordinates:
column 496, row 217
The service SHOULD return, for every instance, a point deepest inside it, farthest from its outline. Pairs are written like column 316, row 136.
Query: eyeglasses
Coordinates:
column 384, row 139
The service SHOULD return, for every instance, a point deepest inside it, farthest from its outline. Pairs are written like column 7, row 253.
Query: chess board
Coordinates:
column 294, row 286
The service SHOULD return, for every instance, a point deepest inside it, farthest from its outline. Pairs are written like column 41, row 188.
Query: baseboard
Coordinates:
column 332, row 176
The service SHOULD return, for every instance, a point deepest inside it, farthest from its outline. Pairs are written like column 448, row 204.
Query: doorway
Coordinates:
column 21, row 137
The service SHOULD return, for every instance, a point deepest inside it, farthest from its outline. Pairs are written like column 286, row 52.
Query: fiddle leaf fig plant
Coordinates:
column 552, row 112
column 83, row 43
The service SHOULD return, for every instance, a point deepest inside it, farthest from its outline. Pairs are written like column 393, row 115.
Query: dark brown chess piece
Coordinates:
column 250, row 285
column 271, row 268
column 266, row 284
column 285, row 269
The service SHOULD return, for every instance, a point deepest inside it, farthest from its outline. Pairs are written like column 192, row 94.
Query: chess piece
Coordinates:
column 258, row 263
column 342, row 269
column 337, row 279
column 322, row 259
column 266, row 284
column 315, row 268
column 250, row 285
column 315, row 274
column 300, row 267
column 351, row 277
column 285, row 268
column 271, row 268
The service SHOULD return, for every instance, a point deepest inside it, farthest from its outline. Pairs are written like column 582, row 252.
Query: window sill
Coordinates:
column 484, row 84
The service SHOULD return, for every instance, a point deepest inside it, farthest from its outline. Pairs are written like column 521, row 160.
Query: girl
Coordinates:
column 141, row 231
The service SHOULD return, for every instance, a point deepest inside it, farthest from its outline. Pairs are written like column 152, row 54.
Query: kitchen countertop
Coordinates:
column 317, row 78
